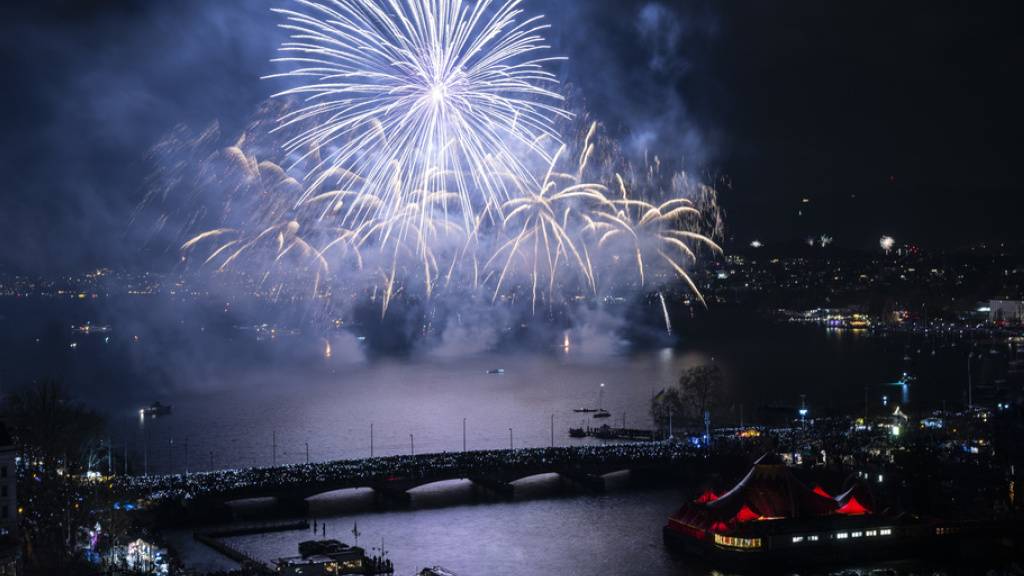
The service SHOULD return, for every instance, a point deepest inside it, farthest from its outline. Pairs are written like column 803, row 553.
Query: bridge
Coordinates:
column 392, row 477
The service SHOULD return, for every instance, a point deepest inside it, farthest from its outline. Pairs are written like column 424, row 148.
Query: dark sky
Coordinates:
column 901, row 118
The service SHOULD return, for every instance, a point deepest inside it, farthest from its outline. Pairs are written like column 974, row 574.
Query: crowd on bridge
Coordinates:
column 367, row 472
column 831, row 436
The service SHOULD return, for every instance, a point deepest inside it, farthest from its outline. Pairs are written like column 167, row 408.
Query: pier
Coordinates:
column 214, row 539
column 606, row 432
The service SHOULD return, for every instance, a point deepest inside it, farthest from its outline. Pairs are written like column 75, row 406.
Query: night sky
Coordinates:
column 901, row 118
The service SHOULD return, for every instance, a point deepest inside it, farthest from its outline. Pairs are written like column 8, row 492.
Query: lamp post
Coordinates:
column 463, row 434
column 412, row 445
column 707, row 428
column 371, row 439
column 970, row 383
column 510, row 439
column 552, row 430
column 145, row 453
column 803, row 411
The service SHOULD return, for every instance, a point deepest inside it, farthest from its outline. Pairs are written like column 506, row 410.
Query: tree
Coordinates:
column 701, row 388
column 698, row 389
column 57, row 437
column 52, row 428
column 667, row 404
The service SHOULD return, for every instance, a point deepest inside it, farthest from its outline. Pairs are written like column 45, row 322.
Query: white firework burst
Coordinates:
column 455, row 92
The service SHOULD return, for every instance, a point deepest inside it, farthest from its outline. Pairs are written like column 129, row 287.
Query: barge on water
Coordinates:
column 329, row 558
column 771, row 517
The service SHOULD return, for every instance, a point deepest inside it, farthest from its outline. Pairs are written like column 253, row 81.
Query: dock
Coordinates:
column 214, row 539
column 606, row 432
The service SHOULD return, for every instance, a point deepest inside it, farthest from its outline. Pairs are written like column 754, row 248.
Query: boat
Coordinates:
column 586, row 410
column 577, row 432
column 770, row 518
column 156, row 409
column 325, row 557
column 496, row 371
column 436, row 571
column 602, row 413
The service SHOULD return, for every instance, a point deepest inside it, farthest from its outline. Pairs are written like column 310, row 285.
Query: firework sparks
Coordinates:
column 541, row 223
column 887, row 243
column 422, row 157
column 649, row 232
column 456, row 95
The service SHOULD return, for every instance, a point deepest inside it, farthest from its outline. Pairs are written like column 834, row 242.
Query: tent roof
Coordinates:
column 770, row 490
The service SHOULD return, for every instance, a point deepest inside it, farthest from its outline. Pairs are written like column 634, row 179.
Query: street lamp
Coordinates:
column 412, row 445
column 510, row 439
column 970, row 386
column 803, row 411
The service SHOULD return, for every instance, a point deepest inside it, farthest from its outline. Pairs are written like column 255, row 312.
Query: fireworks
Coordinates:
column 646, row 232
column 887, row 243
column 454, row 94
column 422, row 159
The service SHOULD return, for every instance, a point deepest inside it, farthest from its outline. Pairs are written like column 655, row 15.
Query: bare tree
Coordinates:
column 698, row 389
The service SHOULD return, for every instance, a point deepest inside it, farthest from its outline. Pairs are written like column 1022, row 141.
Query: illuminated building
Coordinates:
column 1006, row 311
column 9, row 546
column 770, row 514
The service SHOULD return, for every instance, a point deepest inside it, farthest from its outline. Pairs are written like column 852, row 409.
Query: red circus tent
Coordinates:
column 769, row 491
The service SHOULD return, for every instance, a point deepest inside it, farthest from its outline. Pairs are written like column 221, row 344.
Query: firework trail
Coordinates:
column 664, row 310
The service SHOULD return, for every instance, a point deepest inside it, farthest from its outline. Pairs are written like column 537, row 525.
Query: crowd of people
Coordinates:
column 843, row 442
column 366, row 472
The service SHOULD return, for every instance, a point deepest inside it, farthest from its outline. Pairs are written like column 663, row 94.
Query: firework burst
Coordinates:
column 648, row 232
column 454, row 93
column 421, row 157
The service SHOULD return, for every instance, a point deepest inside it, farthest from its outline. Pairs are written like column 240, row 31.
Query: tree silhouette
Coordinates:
column 698, row 389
